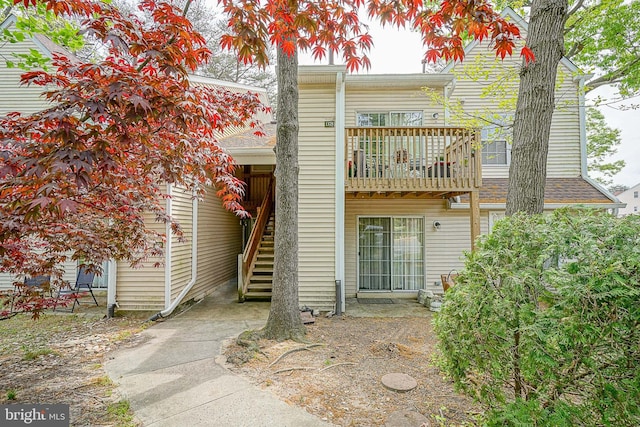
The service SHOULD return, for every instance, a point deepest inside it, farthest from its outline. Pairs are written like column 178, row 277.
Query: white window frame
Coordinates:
column 424, row 251
column 495, row 216
column 388, row 116
column 493, row 134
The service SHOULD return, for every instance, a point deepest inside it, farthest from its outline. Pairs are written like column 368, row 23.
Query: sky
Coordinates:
column 401, row 52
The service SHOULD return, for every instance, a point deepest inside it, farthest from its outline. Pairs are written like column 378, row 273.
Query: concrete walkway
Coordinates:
column 174, row 379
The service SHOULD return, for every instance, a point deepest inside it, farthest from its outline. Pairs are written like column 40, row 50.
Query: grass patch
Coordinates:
column 33, row 354
column 11, row 395
column 120, row 412
column 103, row 381
column 34, row 333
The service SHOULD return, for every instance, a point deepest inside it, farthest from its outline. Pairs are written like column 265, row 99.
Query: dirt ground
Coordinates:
column 59, row 359
column 338, row 377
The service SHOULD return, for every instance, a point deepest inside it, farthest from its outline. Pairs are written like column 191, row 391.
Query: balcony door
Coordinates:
column 391, row 253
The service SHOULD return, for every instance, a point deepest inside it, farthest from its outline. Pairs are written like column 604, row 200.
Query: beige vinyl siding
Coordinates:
column 365, row 101
column 219, row 243
column 13, row 96
column 443, row 248
column 564, row 141
column 70, row 273
column 25, row 99
column 142, row 288
column 181, row 251
column 317, row 198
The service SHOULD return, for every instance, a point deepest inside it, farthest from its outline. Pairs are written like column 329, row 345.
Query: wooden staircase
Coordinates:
column 261, row 271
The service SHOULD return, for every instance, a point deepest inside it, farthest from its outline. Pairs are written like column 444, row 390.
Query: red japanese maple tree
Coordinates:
column 322, row 25
column 82, row 178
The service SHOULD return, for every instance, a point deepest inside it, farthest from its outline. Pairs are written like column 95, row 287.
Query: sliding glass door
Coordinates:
column 390, row 253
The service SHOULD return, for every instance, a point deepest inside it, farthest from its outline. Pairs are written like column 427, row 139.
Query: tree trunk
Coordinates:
column 534, row 110
column 284, row 318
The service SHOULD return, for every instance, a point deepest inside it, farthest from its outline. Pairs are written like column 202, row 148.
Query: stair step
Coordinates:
column 268, row 264
column 267, row 255
column 257, row 295
column 262, row 271
column 259, row 287
column 265, row 278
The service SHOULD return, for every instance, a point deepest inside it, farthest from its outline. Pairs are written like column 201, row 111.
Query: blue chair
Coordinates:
column 36, row 284
column 84, row 280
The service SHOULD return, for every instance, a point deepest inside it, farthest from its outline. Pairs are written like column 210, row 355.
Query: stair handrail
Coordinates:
column 251, row 250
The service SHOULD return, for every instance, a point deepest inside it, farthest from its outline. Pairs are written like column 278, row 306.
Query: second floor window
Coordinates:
column 392, row 119
column 496, row 147
column 635, row 194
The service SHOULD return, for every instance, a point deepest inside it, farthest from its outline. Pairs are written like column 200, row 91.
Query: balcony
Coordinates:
column 434, row 161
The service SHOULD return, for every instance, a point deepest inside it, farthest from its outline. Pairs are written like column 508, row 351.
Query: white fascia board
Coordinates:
column 194, row 78
column 11, row 20
column 319, row 74
column 582, row 119
column 601, row 189
column 503, row 206
column 397, row 81
column 321, row 69
column 253, row 156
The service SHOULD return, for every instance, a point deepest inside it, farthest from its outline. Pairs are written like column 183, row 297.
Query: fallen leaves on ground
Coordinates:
column 339, row 380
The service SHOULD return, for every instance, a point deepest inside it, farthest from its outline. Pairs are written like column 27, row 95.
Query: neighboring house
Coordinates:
column 213, row 235
column 392, row 189
column 25, row 99
column 632, row 198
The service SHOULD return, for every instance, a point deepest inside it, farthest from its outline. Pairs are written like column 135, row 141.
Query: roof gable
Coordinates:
column 44, row 44
column 523, row 25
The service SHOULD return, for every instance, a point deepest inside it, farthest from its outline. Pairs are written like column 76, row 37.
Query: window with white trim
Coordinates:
column 389, row 118
column 494, row 217
column 496, row 146
column 374, row 147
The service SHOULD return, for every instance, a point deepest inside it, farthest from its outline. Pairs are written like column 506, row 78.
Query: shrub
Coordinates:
column 543, row 325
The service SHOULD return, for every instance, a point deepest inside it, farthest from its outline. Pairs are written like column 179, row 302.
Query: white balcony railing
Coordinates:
column 408, row 159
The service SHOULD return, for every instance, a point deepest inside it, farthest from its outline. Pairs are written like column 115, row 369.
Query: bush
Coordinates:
column 543, row 325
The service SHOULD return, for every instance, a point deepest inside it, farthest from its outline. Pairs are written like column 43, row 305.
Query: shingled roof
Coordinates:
column 557, row 191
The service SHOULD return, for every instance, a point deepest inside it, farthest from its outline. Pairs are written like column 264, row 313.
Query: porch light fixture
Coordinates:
column 435, row 116
column 436, row 225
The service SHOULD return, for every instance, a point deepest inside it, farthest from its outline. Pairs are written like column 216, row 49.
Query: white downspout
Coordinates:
column 194, row 267
column 167, row 250
column 448, row 91
column 111, row 287
column 340, row 203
